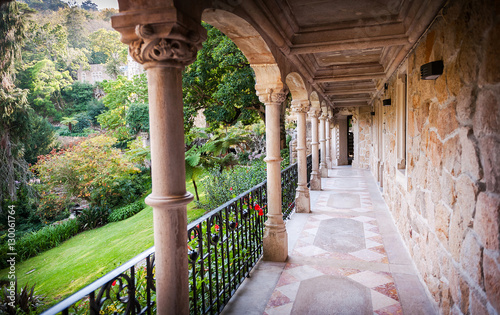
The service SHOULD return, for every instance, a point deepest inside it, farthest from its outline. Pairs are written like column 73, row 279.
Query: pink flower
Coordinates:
column 230, row 188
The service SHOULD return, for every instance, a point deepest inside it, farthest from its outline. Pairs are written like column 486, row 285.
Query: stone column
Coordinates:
column 164, row 49
column 328, row 143
column 315, row 176
column 275, row 240
column 302, row 200
column 322, row 140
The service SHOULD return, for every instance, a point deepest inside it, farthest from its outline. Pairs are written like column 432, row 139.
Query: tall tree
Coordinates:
column 108, row 42
column 221, row 81
column 75, row 19
column 13, row 101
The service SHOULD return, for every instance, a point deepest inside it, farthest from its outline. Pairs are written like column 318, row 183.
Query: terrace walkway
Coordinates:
column 346, row 257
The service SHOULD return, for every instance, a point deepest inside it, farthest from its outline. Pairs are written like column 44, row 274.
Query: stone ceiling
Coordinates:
column 350, row 48
column 344, row 49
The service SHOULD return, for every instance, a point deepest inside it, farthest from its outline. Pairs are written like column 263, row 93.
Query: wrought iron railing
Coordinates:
column 289, row 183
column 223, row 247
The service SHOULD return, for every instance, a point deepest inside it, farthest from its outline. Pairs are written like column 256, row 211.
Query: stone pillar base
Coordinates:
column 302, row 201
column 275, row 245
column 328, row 163
column 323, row 170
column 315, row 182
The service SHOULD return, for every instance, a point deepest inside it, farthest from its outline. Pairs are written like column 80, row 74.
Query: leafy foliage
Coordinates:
column 221, row 81
column 44, row 239
column 45, row 84
column 24, row 301
column 137, row 118
column 77, row 96
column 41, row 140
column 120, row 94
column 223, row 186
column 93, row 217
column 92, row 170
column 108, row 42
column 126, row 211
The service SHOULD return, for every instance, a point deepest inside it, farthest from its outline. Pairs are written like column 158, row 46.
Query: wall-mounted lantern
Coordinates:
column 431, row 70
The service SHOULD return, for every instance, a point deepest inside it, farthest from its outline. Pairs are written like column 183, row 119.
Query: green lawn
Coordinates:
column 86, row 257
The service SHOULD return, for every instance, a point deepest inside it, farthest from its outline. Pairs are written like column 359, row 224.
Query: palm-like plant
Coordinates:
column 69, row 121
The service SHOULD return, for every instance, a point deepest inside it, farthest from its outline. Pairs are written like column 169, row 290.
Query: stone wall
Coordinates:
column 363, row 143
column 446, row 202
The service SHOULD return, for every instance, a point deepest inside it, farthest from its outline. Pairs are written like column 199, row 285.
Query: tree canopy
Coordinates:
column 222, row 82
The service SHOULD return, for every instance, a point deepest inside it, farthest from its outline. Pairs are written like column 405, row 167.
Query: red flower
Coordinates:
column 114, row 283
column 258, row 208
column 261, row 212
column 231, row 188
column 216, row 227
column 236, row 225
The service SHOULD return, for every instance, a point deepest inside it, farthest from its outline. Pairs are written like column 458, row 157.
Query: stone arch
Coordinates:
column 296, row 86
column 251, row 44
column 314, row 100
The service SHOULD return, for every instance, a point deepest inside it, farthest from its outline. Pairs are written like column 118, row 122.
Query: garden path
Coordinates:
column 346, row 257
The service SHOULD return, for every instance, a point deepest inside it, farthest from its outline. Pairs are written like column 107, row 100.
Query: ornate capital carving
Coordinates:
column 169, row 44
column 314, row 112
column 270, row 96
column 300, row 106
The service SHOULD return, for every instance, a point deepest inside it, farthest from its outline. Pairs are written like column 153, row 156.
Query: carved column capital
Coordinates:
column 168, row 44
column 271, row 96
column 300, row 106
column 314, row 112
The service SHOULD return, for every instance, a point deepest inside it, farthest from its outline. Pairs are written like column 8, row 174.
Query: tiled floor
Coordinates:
column 344, row 258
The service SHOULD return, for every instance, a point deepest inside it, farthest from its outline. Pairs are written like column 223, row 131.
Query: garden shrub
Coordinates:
column 94, row 109
column 25, row 300
column 84, row 121
column 34, row 243
column 126, row 211
column 92, row 170
column 138, row 118
column 93, row 217
column 221, row 187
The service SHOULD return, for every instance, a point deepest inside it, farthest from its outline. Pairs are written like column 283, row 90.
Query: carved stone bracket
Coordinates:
column 300, row 106
column 168, row 44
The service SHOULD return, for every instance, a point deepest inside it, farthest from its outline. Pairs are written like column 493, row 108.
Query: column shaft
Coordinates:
column 315, row 178
column 302, row 200
column 275, row 240
column 169, row 197
column 322, row 166
column 328, row 144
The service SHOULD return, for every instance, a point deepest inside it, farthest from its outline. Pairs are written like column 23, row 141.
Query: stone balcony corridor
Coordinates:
column 345, row 257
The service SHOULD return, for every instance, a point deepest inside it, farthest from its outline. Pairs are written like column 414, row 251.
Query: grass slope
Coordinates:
column 86, row 257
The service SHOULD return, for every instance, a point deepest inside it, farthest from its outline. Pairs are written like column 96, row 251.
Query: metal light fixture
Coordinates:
column 431, row 70
column 386, row 102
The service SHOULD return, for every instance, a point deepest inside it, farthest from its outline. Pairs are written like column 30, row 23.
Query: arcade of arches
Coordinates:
column 353, row 69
